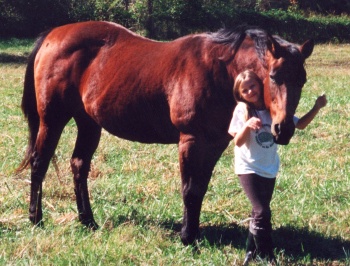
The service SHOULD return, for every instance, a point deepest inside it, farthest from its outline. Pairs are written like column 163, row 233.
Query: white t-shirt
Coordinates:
column 259, row 154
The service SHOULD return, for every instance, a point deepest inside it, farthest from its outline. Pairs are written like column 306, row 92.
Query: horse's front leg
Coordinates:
column 198, row 158
column 195, row 178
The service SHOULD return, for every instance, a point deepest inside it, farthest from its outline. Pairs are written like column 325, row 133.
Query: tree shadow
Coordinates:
column 10, row 58
column 292, row 241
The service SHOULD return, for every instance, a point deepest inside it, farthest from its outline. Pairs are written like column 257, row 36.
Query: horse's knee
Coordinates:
column 193, row 197
column 194, row 190
column 80, row 169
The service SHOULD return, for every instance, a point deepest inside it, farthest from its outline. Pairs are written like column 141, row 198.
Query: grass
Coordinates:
column 135, row 189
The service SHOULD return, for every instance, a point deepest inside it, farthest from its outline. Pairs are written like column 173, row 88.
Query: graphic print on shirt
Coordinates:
column 264, row 137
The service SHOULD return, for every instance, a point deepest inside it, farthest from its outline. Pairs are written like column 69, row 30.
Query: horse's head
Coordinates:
column 283, row 83
column 278, row 63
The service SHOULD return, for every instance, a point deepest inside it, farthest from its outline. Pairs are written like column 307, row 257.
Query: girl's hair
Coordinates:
column 243, row 76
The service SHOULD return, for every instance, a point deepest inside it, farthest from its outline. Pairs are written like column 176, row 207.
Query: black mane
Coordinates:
column 235, row 37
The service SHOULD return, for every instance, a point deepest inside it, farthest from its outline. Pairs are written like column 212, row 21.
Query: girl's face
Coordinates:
column 250, row 91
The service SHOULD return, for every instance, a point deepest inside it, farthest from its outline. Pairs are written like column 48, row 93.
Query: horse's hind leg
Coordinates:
column 89, row 134
column 46, row 142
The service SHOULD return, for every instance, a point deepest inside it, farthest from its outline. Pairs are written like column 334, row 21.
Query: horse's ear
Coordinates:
column 275, row 48
column 306, row 48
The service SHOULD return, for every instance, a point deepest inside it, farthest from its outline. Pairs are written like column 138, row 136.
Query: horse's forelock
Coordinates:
column 289, row 47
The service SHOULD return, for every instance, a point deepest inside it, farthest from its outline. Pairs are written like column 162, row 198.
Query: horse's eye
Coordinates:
column 276, row 79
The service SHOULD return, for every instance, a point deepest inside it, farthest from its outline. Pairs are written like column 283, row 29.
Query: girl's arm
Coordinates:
column 242, row 135
column 304, row 121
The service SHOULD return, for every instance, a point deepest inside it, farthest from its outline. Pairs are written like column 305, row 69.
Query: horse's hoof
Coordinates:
column 36, row 220
column 189, row 238
column 91, row 224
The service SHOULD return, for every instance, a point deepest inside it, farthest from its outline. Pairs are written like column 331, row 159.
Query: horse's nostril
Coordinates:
column 278, row 129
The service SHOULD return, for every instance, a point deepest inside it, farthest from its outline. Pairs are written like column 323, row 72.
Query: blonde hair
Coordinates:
column 242, row 77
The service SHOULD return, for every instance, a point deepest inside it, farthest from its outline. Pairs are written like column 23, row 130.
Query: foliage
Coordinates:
column 168, row 19
column 25, row 17
column 294, row 26
column 328, row 7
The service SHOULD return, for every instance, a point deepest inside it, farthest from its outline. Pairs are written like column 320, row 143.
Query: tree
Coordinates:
column 149, row 22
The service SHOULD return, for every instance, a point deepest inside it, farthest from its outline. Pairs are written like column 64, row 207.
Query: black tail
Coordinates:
column 29, row 106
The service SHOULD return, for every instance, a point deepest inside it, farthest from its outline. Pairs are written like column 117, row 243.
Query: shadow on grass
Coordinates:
column 231, row 234
column 293, row 242
column 10, row 58
column 299, row 242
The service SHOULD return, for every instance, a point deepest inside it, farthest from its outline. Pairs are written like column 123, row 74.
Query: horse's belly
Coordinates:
column 142, row 132
column 146, row 135
column 137, row 124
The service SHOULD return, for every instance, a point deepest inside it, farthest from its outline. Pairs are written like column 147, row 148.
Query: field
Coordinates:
column 135, row 188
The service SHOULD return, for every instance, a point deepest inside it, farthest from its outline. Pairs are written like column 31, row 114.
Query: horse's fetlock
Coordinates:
column 36, row 219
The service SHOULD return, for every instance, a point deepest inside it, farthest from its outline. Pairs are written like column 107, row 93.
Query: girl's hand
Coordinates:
column 321, row 101
column 242, row 135
column 253, row 123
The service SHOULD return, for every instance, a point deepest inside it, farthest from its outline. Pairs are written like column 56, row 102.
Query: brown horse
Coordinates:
column 105, row 76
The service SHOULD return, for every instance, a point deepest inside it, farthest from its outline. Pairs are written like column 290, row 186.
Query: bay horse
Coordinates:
column 178, row 92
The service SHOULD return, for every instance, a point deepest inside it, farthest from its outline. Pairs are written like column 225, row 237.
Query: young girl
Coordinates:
column 256, row 158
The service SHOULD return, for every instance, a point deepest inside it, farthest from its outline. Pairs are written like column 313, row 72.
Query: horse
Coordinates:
column 105, row 76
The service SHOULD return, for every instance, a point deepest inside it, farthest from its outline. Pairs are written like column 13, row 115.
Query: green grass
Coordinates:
column 135, row 189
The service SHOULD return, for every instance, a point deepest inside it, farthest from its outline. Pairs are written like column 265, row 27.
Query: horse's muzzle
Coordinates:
column 283, row 132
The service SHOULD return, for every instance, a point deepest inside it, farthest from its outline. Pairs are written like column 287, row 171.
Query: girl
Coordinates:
column 256, row 158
